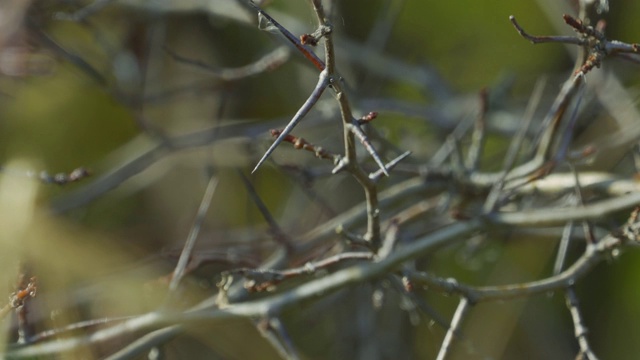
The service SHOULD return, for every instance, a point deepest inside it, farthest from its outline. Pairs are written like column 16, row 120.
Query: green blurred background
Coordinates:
column 57, row 117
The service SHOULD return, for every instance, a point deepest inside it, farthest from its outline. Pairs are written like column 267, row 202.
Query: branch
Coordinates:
column 315, row 60
column 545, row 39
column 268, row 62
column 593, row 255
column 454, row 328
column 189, row 244
column 581, row 330
column 254, row 308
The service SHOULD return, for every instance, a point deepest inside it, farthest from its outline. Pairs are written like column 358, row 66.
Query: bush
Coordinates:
column 434, row 186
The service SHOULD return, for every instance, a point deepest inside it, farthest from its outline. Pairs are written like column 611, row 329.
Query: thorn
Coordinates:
column 390, row 165
column 323, row 80
column 310, row 55
column 357, row 131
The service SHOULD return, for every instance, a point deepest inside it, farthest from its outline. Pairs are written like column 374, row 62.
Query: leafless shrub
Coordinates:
column 356, row 247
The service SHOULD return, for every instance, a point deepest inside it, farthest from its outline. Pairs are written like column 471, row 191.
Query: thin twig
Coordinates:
column 145, row 343
column 563, row 246
column 567, row 135
column 82, row 325
column 71, row 57
column 586, row 225
column 274, row 331
column 559, row 216
column 301, row 143
column 268, row 62
column 454, row 329
column 545, row 39
column 390, row 239
column 355, row 128
column 389, row 166
column 444, row 152
column 304, row 50
column 278, row 235
column 46, row 178
column 592, row 256
column 596, row 45
column 478, row 136
column 515, row 145
column 405, row 287
column 581, row 330
column 263, row 279
column 541, row 163
column 86, row 11
column 456, row 158
column 189, row 244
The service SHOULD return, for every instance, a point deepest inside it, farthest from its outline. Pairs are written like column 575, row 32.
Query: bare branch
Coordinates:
column 315, row 60
column 268, row 62
column 189, row 244
column 592, row 256
column 479, row 134
column 274, row 331
column 454, row 328
column 279, row 236
column 578, row 324
column 545, row 39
